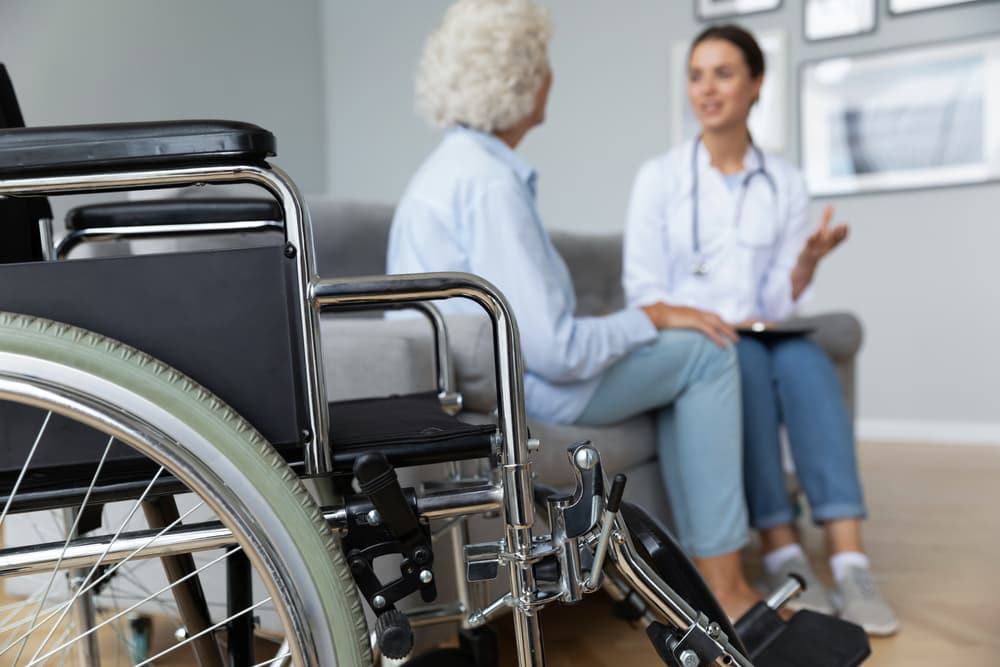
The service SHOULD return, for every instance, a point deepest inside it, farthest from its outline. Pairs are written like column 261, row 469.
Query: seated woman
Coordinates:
column 719, row 225
column 485, row 76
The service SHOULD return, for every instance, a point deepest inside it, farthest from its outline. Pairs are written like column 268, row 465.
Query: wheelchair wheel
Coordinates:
column 658, row 548
column 71, row 583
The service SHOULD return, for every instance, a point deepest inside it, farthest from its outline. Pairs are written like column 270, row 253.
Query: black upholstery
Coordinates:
column 225, row 319
column 172, row 212
column 39, row 150
column 409, row 430
column 20, row 238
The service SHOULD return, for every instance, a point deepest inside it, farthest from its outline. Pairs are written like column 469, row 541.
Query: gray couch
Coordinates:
column 372, row 357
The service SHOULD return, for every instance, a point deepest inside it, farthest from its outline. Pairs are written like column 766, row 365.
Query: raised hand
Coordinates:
column 821, row 242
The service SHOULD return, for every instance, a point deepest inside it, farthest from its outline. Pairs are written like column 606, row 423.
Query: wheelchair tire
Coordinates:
column 196, row 438
column 658, row 548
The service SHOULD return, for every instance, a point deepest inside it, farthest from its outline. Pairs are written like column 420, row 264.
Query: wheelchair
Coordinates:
column 164, row 432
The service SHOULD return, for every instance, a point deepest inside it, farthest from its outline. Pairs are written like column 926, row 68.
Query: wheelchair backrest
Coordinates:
column 224, row 318
column 20, row 238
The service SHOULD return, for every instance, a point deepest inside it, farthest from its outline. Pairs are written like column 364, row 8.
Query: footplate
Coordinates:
column 809, row 638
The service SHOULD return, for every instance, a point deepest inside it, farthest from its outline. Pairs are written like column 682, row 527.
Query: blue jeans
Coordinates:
column 693, row 385
column 792, row 381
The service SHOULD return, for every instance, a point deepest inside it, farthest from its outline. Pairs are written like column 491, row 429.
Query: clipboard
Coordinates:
column 776, row 331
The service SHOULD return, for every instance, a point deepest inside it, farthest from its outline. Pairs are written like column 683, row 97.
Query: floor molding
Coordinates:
column 929, row 432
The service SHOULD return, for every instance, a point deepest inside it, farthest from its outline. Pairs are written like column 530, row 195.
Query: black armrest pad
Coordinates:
column 172, row 212
column 124, row 145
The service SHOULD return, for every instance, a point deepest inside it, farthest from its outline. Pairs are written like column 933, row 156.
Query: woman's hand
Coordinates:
column 819, row 244
column 681, row 317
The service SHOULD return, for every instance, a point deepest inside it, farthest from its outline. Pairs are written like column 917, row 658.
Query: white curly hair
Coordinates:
column 484, row 64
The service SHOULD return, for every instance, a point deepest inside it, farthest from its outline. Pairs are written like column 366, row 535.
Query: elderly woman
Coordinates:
column 485, row 77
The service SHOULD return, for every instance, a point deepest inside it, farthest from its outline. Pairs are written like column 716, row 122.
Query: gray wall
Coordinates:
column 135, row 60
column 919, row 268
column 333, row 80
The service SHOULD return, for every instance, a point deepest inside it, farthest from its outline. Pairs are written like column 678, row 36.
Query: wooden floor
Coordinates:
column 934, row 540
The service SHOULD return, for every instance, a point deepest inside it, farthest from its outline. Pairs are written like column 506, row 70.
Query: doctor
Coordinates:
column 718, row 225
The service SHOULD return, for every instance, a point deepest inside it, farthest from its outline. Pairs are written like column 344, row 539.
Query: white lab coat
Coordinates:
column 749, row 250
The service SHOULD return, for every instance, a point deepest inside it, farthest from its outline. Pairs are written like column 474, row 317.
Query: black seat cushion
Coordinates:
column 172, row 212
column 409, row 430
column 59, row 149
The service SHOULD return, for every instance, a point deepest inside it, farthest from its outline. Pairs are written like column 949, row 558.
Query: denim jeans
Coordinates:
column 792, row 381
column 693, row 385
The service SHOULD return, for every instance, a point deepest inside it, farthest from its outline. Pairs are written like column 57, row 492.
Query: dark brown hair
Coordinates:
column 739, row 38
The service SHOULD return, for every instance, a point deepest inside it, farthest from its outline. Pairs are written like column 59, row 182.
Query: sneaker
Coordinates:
column 861, row 602
column 813, row 598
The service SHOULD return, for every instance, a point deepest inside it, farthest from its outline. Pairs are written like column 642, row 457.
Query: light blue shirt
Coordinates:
column 471, row 207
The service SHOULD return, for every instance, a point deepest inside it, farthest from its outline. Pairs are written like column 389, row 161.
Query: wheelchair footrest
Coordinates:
column 809, row 638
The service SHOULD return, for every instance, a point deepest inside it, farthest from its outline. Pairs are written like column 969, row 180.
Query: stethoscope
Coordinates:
column 699, row 266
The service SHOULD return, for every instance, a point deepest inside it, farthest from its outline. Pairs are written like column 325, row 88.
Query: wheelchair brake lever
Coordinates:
column 582, row 512
column 377, row 480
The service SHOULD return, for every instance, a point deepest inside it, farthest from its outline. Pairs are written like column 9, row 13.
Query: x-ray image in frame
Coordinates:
column 910, row 118
column 827, row 19
column 709, row 10
column 910, row 6
column 767, row 118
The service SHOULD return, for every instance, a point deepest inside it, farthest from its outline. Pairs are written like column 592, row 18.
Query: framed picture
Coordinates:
column 909, row 118
column 907, row 6
column 826, row 19
column 767, row 119
column 709, row 10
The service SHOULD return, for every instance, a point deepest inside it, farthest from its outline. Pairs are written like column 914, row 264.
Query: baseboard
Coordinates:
column 930, row 432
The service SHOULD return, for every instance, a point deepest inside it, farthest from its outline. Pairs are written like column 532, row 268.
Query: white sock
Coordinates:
column 774, row 560
column 841, row 562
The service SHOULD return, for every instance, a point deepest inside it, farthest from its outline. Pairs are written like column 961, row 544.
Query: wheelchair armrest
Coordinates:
column 172, row 212
column 38, row 151
column 168, row 218
column 372, row 291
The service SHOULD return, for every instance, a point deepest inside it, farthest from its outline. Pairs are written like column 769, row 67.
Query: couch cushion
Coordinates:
column 361, row 360
column 349, row 238
column 595, row 262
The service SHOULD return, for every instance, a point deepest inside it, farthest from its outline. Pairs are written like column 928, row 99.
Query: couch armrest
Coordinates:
column 838, row 333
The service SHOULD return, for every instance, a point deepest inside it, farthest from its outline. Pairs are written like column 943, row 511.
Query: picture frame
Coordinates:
column 711, row 10
column 898, row 7
column 908, row 118
column 767, row 118
column 830, row 19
